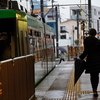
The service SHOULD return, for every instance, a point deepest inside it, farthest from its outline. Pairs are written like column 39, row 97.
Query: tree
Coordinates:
column 76, row 42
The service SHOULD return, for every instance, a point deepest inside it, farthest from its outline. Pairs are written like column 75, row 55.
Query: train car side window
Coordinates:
column 48, row 40
column 21, row 43
column 30, row 41
column 38, row 45
column 25, row 43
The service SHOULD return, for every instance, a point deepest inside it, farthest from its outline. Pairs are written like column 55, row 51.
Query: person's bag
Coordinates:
column 80, row 66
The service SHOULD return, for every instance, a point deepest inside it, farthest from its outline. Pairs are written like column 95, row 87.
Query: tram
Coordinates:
column 22, row 34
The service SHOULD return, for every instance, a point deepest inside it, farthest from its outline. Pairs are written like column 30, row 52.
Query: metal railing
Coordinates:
column 17, row 78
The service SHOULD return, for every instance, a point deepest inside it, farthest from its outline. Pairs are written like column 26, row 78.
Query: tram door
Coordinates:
column 22, row 38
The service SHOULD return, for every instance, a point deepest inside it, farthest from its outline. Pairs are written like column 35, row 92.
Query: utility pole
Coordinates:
column 56, row 9
column 89, row 13
column 78, row 30
column 52, row 10
column 42, row 15
column 42, row 10
column 32, row 7
column 78, row 26
column 98, row 27
column 41, row 3
column 73, row 34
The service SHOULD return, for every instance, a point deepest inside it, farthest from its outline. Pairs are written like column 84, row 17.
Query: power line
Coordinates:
column 65, row 5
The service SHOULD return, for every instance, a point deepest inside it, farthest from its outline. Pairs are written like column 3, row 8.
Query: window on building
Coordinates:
column 62, row 36
column 74, row 12
column 50, row 17
column 63, row 29
column 98, row 12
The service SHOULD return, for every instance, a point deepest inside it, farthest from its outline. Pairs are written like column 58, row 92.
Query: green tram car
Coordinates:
column 23, row 34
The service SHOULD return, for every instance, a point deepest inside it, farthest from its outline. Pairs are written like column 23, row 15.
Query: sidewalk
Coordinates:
column 54, row 85
column 86, row 89
column 59, row 85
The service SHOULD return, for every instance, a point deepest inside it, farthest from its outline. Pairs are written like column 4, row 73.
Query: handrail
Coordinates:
column 17, row 78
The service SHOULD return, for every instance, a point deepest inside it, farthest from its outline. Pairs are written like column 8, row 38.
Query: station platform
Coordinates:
column 59, row 85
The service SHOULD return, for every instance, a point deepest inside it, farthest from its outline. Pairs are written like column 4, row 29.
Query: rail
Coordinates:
column 17, row 78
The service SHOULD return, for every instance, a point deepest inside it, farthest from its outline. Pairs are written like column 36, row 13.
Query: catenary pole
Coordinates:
column 41, row 3
column 78, row 30
column 89, row 13
column 42, row 16
column 56, row 9
column 52, row 10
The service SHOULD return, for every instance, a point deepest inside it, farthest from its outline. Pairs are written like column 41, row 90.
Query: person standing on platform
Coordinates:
column 92, row 54
column 62, row 57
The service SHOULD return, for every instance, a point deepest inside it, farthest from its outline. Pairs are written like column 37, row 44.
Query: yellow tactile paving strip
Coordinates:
column 72, row 92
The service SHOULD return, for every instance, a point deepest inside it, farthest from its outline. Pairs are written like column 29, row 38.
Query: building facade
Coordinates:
column 22, row 5
column 95, row 16
column 72, row 32
column 81, row 17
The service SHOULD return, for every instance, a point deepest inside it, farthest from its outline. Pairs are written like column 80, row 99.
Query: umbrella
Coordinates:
column 62, row 49
column 79, row 69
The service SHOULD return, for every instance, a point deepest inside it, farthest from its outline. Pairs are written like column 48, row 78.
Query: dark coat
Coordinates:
column 92, row 52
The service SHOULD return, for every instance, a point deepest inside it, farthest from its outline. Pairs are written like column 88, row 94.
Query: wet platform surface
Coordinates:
column 59, row 85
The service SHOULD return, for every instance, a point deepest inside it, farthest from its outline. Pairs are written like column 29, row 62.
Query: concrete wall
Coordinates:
column 70, row 26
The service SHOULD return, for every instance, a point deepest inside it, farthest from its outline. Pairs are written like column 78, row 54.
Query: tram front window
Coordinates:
column 7, row 25
column 5, row 52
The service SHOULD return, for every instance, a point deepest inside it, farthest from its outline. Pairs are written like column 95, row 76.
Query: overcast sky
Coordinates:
column 64, row 11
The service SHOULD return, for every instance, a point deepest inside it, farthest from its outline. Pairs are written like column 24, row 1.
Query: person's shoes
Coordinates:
column 95, row 93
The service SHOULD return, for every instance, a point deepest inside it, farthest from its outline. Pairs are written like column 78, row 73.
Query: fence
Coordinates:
column 74, row 51
column 17, row 78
